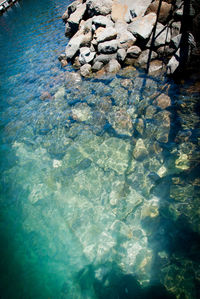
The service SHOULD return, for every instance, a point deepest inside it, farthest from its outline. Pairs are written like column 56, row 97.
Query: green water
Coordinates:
column 99, row 185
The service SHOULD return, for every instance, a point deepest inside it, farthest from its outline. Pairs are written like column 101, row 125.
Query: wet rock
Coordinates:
column 95, row 7
column 105, row 58
column 45, row 96
column 121, row 121
column 163, row 101
column 163, row 126
column 127, row 83
column 120, row 96
column 113, row 154
column 76, row 63
column 73, row 77
column 81, row 112
column 108, row 47
column 121, row 55
column 156, row 68
column 86, row 55
column 64, row 62
column 106, row 34
column 113, row 66
column 139, row 125
column 60, row 93
column 85, row 70
column 182, row 162
column 140, row 152
column 165, row 51
column 150, row 111
column 134, row 52
column 142, row 26
column 165, row 10
column 102, row 21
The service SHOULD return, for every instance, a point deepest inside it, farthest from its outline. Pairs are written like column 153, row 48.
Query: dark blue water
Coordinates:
column 99, row 185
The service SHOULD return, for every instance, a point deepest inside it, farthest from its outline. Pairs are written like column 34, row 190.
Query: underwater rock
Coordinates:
column 81, row 112
column 60, row 93
column 140, row 152
column 163, row 101
column 121, row 121
column 85, row 70
column 182, row 162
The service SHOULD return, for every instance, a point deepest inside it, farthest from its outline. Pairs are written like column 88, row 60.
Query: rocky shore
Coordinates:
column 109, row 35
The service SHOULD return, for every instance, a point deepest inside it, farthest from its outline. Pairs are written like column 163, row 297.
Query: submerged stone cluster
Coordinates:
column 110, row 34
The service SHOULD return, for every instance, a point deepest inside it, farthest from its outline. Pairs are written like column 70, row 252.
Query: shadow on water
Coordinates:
column 116, row 285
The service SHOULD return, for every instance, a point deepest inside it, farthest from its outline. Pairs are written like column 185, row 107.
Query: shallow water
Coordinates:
column 99, row 185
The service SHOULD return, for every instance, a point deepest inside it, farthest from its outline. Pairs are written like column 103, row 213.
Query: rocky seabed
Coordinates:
column 108, row 35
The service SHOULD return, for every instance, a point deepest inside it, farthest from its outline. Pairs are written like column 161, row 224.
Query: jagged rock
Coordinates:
column 140, row 152
column 150, row 111
column 113, row 66
column 137, row 7
column 73, row 46
column 173, row 63
column 134, row 52
column 97, row 66
column 108, row 47
column 106, row 34
column 120, row 12
column 96, row 7
column 176, row 40
column 70, row 9
column 139, row 125
column 142, row 26
column 76, row 17
column 81, row 112
column 105, row 58
column 102, row 21
column 86, row 70
column 163, row 126
column 143, row 58
column 76, row 63
column 164, row 10
column 162, row 36
column 63, row 62
column 175, row 28
column 86, row 55
column 165, row 51
column 127, row 83
column 121, row 121
column 125, row 40
column 156, row 68
column 121, row 55
column 163, row 101
column 182, row 162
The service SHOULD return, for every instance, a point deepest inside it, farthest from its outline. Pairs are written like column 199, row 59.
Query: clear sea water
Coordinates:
column 99, row 185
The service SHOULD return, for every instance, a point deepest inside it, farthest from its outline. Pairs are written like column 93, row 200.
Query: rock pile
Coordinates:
column 109, row 34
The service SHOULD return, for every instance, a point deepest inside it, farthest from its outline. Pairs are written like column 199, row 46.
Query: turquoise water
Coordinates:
column 99, row 185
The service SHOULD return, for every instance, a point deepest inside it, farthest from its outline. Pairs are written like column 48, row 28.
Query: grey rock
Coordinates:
column 97, row 66
column 107, row 34
column 86, row 55
column 70, row 9
column 113, row 66
column 108, row 47
column 126, row 39
column 102, row 21
column 143, row 58
column 175, row 28
column 81, row 112
column 142, row 26
column 137, row 7
column 76, row 17
column 173, row 63
column 121, row 55
column 176, row 41
column 85, row 70
column 96, row 7
column 121, row 121
column 73, row 46
column 156, row 68
column 166, row 51
column 105, row 58
column 162, row 36
column 134, row 52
